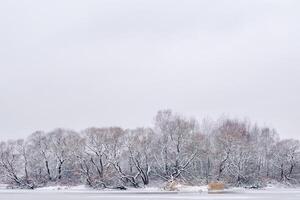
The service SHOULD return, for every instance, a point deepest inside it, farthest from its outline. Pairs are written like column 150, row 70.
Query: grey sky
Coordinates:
column 76, row 64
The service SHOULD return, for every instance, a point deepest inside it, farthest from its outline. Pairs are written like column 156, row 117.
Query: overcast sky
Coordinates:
column 76, row 64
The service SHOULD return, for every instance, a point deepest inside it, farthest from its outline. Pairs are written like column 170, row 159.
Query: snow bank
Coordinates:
column 187, row 188
column 3, row 186
column 67, row 188
column 151, row 189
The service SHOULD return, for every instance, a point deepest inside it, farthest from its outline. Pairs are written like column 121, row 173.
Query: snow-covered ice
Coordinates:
column 82, row 193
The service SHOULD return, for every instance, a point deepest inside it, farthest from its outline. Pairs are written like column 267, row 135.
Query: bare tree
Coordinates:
column 140, row 147
column 173, row 156
column 40, row 143
column 176, row 148
column 101, row 148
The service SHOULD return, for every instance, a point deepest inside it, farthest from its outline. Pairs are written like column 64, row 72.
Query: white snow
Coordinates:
column 273, row 192
column 65, row 188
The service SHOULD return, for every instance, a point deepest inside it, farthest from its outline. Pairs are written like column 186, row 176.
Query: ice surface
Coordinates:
column 83, row 194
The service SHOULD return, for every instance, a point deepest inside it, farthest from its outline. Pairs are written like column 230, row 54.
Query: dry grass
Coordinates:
column 172, row 186
column 216, row 186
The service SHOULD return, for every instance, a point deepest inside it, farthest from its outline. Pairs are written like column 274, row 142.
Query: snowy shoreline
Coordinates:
column 79, row 193
column 148, row 190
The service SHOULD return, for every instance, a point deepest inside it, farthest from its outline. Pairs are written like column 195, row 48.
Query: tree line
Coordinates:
column 176, row 148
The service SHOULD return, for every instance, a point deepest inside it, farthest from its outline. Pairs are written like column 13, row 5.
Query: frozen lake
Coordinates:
column 274, row 194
